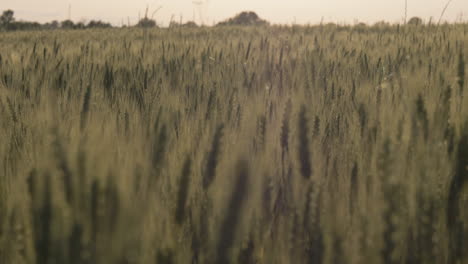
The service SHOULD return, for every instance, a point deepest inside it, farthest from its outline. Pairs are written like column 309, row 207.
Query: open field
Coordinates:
column 319, row 144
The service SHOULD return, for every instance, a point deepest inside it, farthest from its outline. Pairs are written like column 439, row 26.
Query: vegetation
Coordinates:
column 244, row 19
column 7, row 18
column 146, row 23
column 8, row 23
column 266, row 144
column 416, row 21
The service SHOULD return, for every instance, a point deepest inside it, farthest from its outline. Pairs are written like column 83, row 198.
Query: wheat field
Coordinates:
column 271, row 144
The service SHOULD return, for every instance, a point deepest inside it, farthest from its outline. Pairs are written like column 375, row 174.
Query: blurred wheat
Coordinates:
column 268, row 144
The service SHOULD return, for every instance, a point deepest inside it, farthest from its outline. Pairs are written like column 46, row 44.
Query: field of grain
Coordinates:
column 320, row 144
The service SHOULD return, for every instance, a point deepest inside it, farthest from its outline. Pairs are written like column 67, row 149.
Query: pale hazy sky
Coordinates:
column 276, row 11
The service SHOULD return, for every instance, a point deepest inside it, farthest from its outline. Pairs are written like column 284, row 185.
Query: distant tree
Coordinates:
column 360, row 27
column 7, row 19
column 98, row 24
column 189, row 24
column 7, row 22
column 415, row 21
column 67, row 24
column 244, row 19
column 51, row 25
column 79, row 25
column 24, row 25
column 146, row 23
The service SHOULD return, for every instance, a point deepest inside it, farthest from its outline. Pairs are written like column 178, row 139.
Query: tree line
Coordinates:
column 9, row 23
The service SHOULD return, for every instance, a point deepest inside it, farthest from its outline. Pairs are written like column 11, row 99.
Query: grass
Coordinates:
column 320, row 144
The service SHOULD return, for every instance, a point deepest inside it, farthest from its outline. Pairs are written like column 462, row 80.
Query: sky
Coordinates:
column 211, row 11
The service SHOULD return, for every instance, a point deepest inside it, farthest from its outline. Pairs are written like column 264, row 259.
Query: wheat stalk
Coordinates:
column 443, row 11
